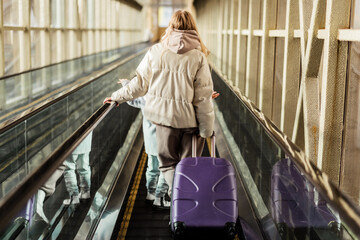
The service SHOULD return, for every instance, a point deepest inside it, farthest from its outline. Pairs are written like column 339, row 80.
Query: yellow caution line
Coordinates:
column 131, row 201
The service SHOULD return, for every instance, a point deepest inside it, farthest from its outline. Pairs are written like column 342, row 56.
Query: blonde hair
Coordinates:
column 183, row 20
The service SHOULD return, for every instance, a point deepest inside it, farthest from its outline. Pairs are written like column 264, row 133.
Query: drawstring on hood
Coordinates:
column 182, row 41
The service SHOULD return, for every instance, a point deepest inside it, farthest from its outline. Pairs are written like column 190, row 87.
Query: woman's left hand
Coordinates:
column 122, row 81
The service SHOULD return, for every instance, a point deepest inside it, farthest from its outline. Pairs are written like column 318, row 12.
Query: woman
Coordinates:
column 176, row 79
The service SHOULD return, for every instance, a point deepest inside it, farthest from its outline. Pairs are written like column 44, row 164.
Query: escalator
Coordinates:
column 139, row 220
column 281, row 195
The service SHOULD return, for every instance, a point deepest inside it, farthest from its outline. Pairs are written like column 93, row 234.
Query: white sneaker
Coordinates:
column 85, row 195
column 73, row 200
column 161, row 203
column 150, row 197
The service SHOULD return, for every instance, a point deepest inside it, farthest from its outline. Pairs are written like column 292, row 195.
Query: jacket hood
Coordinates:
column 182, row 41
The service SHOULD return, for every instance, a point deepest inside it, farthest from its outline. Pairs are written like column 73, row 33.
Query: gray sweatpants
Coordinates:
column 175, row 144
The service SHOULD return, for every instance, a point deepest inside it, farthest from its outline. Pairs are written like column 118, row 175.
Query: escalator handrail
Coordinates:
column 17, row 198
column 349, row 212
column 58, row 63
column 6, row 125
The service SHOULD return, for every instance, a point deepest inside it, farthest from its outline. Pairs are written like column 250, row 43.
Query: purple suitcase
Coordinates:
column 28, row 211
column 247, row 231
column 293, row 203
column 204, row 195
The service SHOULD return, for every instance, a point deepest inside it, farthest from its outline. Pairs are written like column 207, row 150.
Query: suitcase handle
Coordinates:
column 194, row 146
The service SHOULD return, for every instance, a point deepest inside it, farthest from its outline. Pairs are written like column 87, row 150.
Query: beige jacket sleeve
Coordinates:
column 138, row 86
column 204, row 109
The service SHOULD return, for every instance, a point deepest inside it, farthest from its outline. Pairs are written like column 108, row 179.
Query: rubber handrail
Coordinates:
column 61, row 62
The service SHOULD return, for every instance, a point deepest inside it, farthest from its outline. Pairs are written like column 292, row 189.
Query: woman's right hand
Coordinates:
column 107, row 100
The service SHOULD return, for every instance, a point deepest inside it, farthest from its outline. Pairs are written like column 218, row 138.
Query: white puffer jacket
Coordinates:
column 178, row 84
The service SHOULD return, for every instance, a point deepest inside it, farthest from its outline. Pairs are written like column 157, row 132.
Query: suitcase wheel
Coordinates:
column 335, row 227
column 230, row 229
column 178, row 230
column 282, row 229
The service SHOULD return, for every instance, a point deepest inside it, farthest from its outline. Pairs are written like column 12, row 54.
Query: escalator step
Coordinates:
column 140, row 221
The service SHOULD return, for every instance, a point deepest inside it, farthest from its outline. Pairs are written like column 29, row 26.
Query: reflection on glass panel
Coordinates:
column 16, row 88
column 11, row 52
column 49, row 128
column 279, row 63
column 350, row 173
column 75, row 70
column 12, row 90
column 57, row 13
column 81, row 185
column 11, row 13
column 36, row 49
column 12, row 158
column 355, row 15
column 24, row 89
column 38, row 81
column 39, row 134
column 297, row 207
column 56, row 75
column 79, row 107
column 287, row 205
